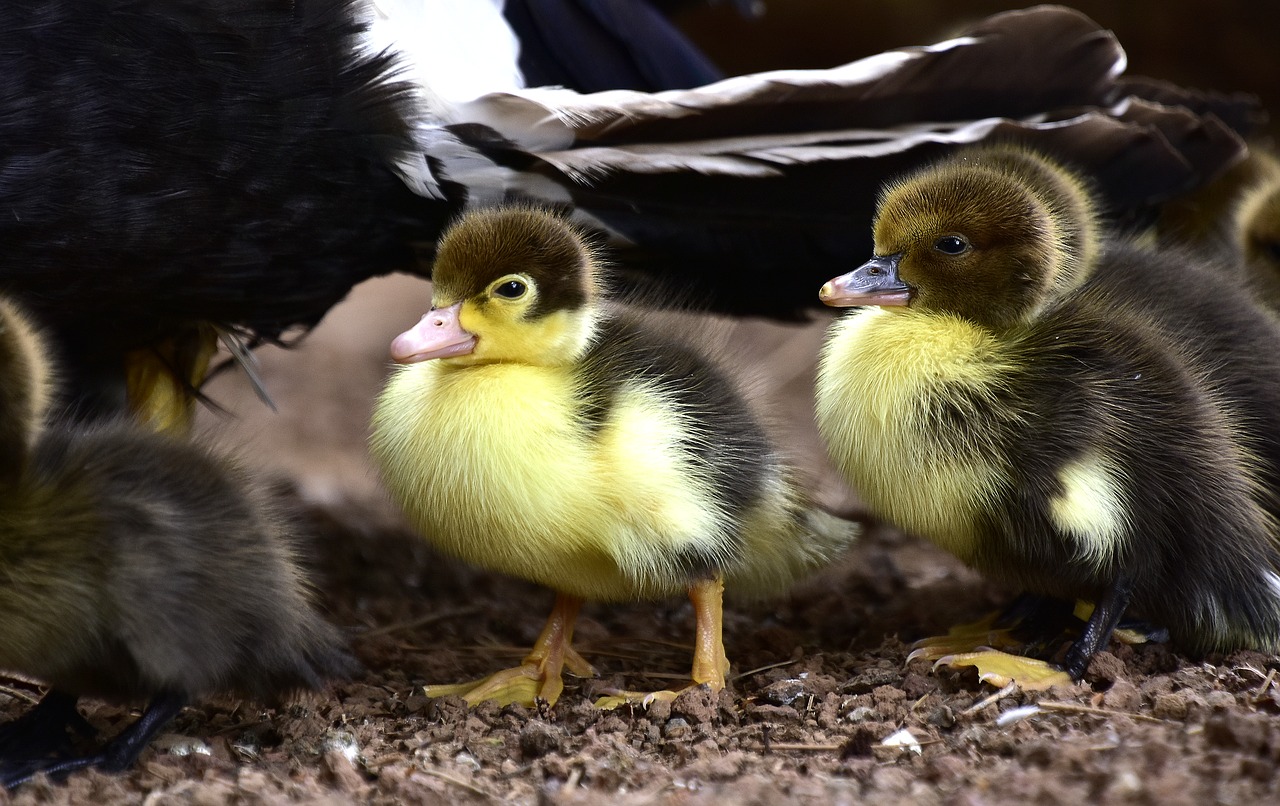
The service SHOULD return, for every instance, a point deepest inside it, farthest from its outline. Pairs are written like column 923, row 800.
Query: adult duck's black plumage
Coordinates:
column 1061, row 409
column 171, row 166
column 180, row 163
column 134, row 567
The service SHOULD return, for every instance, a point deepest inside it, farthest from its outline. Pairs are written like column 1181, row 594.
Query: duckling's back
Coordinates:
column 1197, row 303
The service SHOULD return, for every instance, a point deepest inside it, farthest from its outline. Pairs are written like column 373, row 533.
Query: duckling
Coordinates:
column 536, row 432
column 1256, row 226
column 1239, row 212
column 1064, row 410
column 135, row 567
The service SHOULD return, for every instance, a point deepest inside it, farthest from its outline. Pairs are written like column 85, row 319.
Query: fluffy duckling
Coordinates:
column 1071, row 414
column 1238, row 213
column 1256, row 226
column 135, row 567
column 536, row 433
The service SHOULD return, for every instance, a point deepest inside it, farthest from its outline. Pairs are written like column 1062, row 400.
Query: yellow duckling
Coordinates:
column 134, row 567
column 535, row 433
column 1069, row 413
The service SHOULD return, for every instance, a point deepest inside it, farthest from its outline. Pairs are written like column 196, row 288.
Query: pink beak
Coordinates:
column 437, row 335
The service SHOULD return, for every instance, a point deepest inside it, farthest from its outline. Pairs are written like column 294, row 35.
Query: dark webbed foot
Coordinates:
column 116, row 755
column 43, row 730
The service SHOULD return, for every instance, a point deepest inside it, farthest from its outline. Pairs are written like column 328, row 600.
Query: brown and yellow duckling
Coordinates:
column 1256, row 226
column 134, row 567
column 1237, row 214
column 1064, row 411
column 534, row 432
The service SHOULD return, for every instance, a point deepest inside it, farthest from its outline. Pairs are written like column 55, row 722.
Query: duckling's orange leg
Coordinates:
column 538, row 677
column 710, row 664
column 160, row 380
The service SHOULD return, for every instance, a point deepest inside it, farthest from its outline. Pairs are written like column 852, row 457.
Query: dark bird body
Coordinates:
column 1237, row 215
column 1063, row 410
column 136, row 567
column 176, row 163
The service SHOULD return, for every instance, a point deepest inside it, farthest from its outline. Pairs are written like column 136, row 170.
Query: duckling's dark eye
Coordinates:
column 511, row 289
column 951, row 245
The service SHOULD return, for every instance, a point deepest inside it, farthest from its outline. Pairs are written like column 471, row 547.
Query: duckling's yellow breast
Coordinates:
column 494, row 466
column 892, row 393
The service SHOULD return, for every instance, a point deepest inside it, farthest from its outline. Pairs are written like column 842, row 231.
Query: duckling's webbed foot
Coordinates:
column 710, row 664
column 116, row 756
column 539, row 677
column 1029, row 620
column 1001, row 669
column 42, row 731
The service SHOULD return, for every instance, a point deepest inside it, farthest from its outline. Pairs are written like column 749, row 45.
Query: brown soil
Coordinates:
column 821, row 678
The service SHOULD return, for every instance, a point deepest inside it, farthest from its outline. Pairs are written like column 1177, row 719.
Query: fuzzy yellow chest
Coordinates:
column 494, row 466
column 895, row 389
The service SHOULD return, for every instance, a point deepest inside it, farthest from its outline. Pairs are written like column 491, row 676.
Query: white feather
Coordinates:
column 452, row 50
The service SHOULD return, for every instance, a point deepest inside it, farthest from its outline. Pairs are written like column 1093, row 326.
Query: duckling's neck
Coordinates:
column 939, row 331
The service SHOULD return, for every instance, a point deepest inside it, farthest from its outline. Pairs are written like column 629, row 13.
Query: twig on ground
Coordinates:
column 1072, row 707
column 444, row 615
column 985, row 701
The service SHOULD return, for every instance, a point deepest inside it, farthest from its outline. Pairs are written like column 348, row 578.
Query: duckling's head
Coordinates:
column 511, row 285
column 990, row 235
column 1257, row 221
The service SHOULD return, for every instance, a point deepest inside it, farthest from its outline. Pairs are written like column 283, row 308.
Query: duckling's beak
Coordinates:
column 875, row 282
column 438, row 335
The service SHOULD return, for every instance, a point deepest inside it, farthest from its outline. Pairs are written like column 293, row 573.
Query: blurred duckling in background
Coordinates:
column 536, row 433
column 133, row 566
column 1066, row 412
column 1256, row 227
column 1238, row 213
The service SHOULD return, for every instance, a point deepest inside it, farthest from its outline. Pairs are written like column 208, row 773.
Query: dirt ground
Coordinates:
column 820, row 678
